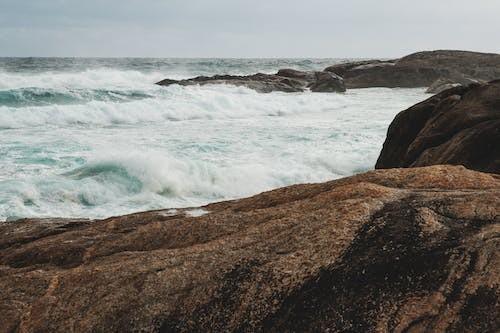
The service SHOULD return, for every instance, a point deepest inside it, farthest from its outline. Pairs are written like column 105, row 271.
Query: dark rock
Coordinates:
column 459, row 126
column 327, row 82
column 286, row 80
column 392, row 76
column 341, row 69
column 400, row 250
column 420, row 69
column 443, row 84
column 295, row 74
column 479, row 66
column 263, row 83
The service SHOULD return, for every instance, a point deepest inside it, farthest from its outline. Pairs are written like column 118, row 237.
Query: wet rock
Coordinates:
column 459, row 126
column 286, row 80
column 327, row 82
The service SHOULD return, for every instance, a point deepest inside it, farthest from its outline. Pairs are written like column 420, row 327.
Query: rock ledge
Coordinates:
column 390, row 250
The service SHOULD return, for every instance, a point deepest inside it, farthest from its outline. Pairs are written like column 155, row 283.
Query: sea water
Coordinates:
column 96, row 137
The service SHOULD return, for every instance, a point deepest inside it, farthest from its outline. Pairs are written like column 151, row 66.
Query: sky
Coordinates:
column 241, row 28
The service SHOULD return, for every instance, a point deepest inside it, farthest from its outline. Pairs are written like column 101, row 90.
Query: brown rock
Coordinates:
column 441, row 85
column 459, row 126
column 401, row 250
column 263, row 83
column 341, row 69
column 327, row 82
column 286, row 80
column 420, row 69
column 481, row 66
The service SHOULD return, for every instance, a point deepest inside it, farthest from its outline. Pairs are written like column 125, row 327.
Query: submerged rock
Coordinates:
column 286, row 80
column 459, row 126
column 391, row 250
column 420, row 69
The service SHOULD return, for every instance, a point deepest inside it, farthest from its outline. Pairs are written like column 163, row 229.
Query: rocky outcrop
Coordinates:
column 442, row 84
column 286, row 80
column 420, row 69
column 400, row 250
column 459, row 126
column 439, row 69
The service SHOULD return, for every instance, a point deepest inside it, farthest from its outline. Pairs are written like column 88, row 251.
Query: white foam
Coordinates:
column 183, row 147
column 177, row 103
column 90, row 79
column 196, row 212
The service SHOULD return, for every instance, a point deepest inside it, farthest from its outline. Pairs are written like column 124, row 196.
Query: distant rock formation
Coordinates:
column 420, row 69
column 400, row 250
column 459, row 126
column 439, row 70
column 286, row 80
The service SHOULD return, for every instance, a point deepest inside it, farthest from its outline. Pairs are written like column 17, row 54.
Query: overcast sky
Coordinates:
column 241, row 28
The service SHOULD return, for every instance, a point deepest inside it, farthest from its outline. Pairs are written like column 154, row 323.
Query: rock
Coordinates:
column 286, row 80
column 392, row 76
column 263, row 83
column 459, row 126
column 480, row 66
column 327, row 82
column 341, row 69
column 420, row 69
column 295, row 74
column 395, row 250
column 441, row 85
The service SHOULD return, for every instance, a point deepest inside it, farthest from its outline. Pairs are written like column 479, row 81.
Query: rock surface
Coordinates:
column 443, row 84
column 459, row 126
column 420, row 69
column 400, row 250
column 286, row 80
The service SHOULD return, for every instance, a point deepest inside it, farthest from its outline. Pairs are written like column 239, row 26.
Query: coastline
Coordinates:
column 412, row 246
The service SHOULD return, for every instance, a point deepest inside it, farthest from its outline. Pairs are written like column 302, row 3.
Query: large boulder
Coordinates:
column 400, row 250
column 481, row 66
column 459, row 126
column 286, row 80
column 420, row 69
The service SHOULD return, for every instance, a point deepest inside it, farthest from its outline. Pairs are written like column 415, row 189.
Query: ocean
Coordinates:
column 96, row 138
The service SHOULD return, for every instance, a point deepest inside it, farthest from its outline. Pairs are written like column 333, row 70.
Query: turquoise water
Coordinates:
column 96, row 137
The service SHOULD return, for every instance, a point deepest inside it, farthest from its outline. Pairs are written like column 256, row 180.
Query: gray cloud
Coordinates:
column 232, row 28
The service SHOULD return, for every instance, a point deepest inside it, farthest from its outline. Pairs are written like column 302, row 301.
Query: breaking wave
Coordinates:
column 84, row 141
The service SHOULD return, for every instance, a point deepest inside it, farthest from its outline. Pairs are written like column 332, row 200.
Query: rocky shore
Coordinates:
column 286, row 80
column 436, row 70
column 387, row 251
column 411, row 247
column 459, row 126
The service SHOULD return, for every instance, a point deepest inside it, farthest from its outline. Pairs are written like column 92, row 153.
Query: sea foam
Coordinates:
column 100, row 142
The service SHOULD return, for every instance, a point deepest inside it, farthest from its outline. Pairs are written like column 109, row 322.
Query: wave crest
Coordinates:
column 43, row 97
